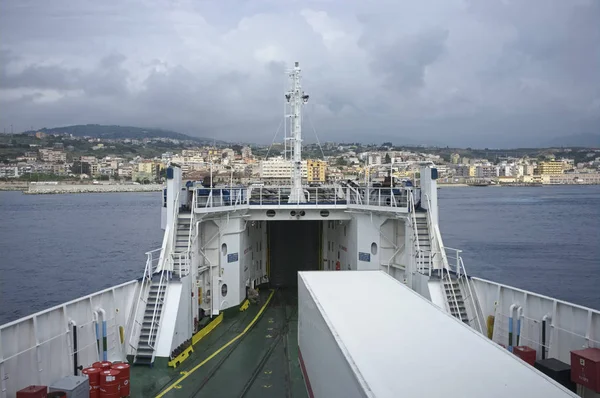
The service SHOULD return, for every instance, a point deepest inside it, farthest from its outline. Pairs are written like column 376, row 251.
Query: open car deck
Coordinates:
column 250, row 354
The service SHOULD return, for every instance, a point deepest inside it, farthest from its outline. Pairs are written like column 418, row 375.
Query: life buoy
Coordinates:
column 337, row 265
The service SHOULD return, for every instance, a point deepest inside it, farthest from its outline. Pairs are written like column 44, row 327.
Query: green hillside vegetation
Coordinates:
column 118, row 132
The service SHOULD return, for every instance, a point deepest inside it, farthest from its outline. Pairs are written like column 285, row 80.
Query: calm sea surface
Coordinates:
column 55, row 248
column 543, row 239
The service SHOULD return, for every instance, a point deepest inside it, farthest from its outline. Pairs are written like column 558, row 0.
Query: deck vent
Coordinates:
column 324, row 213
column 270, row 213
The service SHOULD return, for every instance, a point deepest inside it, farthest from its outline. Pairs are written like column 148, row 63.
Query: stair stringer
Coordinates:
column 473, row 307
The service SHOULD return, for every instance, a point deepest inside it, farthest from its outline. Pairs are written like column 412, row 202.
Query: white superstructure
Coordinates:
column 218, row 242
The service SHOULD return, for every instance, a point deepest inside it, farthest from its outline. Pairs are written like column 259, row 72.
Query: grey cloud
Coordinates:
column 485, row 74
column 403, row 62
column 37, row 76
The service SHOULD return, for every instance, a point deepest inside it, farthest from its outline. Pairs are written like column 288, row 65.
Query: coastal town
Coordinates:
column 45, row 159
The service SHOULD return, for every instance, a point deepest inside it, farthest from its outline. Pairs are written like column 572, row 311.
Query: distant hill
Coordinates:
column 121, row 132
column 588, row 140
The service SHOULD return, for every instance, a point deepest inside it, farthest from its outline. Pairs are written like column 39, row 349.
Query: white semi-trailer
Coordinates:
column 364, row 334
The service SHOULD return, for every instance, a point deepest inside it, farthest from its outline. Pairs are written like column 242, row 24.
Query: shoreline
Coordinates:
column 71, row 189
column 510, row 185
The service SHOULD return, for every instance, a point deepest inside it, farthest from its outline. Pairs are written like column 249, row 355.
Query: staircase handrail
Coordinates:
column 453, row 293
column 160, row 298
column 191, row 230
column 144, row 287
column 183, row 263
column 411, row 209
column 471, row 296
column 165, row 265
column 435, row 234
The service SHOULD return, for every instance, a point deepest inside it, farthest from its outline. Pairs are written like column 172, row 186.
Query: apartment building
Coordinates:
column 52, row 155
column 279, row 169
column 550, row 168
column 316, row 170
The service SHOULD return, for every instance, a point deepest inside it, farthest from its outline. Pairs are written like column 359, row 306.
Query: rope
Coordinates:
column 314, row 131
column 275, row 136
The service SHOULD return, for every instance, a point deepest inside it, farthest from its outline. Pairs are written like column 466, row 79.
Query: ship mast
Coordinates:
column 295, row 99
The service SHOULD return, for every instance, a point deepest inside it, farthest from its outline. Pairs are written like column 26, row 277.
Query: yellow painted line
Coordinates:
column 214, row 354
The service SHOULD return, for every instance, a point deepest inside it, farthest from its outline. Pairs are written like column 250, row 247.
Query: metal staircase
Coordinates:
column 154, row 304
column 182, row 235
column 422, row 234
column 454, row 297
column 177, row 264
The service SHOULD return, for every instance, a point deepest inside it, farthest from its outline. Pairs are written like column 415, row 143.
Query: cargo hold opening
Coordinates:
column 293, row 246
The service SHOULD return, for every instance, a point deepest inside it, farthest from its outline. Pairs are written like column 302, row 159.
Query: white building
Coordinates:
column 279, row 169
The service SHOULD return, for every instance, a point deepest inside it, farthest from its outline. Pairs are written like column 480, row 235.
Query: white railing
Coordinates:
column 152, row 263
column 278, row 196
column 435, row 235
column 420, row 255
column 456, row 264
column 161, row 295
column 166, row 266
column 181, row 264
column 445, row 276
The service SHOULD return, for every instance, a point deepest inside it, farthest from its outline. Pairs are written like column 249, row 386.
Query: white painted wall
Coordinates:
column 429, row 188
column 367, row 233
column 228, row 292
column 168, row 319
column 208, row 244
column 46, row 335
column 184, row 326
column 435, row 291
column 572, row 327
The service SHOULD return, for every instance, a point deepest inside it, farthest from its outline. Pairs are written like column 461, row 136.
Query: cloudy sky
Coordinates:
column 452, row 72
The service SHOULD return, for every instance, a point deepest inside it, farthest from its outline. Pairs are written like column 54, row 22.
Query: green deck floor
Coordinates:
column 261, row 363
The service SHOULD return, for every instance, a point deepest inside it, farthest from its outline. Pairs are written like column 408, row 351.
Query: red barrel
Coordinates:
column 109, row 384
column 104, row 365
column 93, row 375
column 123, row 369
